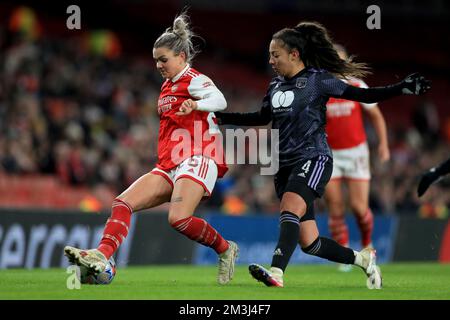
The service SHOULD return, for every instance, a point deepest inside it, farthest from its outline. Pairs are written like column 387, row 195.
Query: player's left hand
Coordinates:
column 186, row 107
column 428, row 178
column 415, row 84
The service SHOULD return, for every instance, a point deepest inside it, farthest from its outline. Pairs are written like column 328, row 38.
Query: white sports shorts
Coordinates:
column 351, row 163
column 198, row 168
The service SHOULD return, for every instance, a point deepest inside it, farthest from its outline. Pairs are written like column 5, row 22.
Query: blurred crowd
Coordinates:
column 92, row 120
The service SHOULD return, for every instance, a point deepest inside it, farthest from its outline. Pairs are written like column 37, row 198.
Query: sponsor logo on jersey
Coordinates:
column 164, row 108
column 340, row 108
column 166, row 100
column 282, row 99
column 165, row 104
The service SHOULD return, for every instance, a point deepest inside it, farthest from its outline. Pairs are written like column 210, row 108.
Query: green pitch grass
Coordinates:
column 401, row 281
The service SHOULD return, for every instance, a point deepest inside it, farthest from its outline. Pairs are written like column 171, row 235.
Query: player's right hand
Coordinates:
column 415, row 84
column 186, row 107
column 426, row 180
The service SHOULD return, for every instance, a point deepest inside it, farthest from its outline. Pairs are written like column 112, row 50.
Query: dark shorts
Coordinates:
column 307, row 178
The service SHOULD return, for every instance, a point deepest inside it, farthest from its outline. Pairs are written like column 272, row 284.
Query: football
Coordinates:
column 105, row 277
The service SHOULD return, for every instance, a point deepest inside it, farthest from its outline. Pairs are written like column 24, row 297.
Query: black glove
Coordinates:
column 415, row 84
column 426, row 180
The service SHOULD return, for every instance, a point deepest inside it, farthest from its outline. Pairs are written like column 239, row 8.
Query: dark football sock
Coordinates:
column 331, row 250
column 287, row 241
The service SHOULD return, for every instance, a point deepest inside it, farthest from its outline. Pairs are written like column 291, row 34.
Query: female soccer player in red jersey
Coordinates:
column 347, row 139
column 189, row 158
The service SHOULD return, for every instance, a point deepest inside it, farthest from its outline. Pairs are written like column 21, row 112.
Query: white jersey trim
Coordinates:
column 178, row 76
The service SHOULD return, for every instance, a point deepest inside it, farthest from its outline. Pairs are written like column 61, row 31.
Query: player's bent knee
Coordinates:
column 359, row 210
column 126, row 201
column 137, row 202
column 172, row 220
column 175, row 219
column 294, row 204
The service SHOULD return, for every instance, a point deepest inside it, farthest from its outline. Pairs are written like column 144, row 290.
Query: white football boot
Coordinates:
column 369, row 265
column 92, row 259
column 226, row 263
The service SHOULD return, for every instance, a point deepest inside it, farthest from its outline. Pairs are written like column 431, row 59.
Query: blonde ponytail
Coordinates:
column 181, row 27
column 178, row 38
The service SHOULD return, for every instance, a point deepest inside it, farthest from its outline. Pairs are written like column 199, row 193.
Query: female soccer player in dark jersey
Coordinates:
column 307, row 65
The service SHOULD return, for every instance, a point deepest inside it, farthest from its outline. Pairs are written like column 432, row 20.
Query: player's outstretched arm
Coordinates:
column 259, row 118
column 415, row 84
column 432, row 175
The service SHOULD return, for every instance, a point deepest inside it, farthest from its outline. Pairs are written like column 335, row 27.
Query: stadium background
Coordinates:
column 78, row 123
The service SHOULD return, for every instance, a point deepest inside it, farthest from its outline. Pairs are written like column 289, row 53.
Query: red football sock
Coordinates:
column 201, row 231
column 116, row 228
column 339, row 230
column 365, row 224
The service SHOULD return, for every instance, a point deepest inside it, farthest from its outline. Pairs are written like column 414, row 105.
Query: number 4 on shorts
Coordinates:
column 306, row 166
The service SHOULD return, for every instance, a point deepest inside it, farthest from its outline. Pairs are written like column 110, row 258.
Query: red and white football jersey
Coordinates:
column 345, row 125
column 181, row 137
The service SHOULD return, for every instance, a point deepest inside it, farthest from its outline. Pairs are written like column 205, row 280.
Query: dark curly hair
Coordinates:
column 316, row 49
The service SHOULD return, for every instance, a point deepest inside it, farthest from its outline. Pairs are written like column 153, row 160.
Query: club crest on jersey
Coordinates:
column 174, row 88
column 301, row 83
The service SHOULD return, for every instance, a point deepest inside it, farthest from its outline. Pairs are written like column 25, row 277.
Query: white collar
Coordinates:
column 178, row 76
